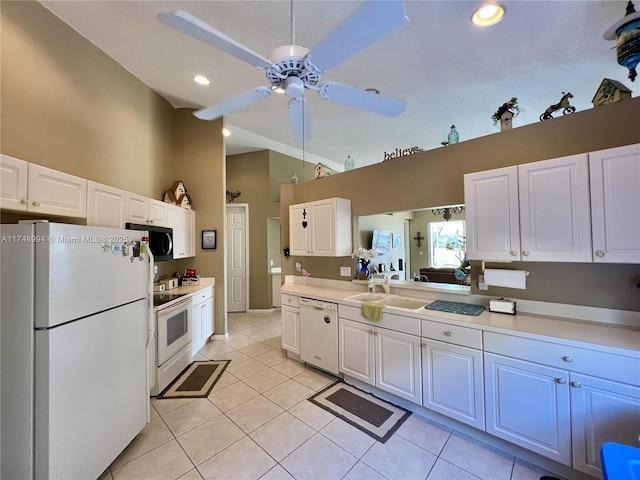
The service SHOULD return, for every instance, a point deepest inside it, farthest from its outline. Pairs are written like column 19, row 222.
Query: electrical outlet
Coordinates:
column 345, row 271
column 298, row 266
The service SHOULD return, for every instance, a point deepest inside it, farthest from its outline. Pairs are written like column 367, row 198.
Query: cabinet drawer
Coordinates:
column 600, row 364
column 290, row 300
column 391, row 321
column 202, row 295
column 466, row 337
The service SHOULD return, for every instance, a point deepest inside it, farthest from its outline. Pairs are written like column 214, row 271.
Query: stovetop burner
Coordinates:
column 162, row 298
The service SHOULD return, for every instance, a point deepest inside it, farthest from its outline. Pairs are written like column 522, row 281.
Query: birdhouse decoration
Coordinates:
column 505, row 114
column 627, row 32
column 321, row 170
column 610, row 91
column 177, row 195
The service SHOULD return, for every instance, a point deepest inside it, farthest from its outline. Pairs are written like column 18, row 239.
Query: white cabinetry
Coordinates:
column 535, row 212
column 452, row 372
column 385, row 358
column 32, row 188
column 202, row 318
column 547, row 397
column 182, row 221
column 528, row 404
column 321, row 228
column 290, row 316
column 615, row 196
column 143, row 210
column 105, row 206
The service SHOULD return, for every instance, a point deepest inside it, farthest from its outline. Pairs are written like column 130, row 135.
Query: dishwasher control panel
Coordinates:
column 320, row 304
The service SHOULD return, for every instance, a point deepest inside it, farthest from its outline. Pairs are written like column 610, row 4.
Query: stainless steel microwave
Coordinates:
column 160, row 240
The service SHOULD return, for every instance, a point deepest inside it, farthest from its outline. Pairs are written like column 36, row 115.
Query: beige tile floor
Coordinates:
column 257, row 424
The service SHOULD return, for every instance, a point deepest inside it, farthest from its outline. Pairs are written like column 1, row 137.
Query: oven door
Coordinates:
column 174, row 329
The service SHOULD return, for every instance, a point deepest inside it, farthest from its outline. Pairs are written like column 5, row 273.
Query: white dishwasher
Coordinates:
column 319, row 334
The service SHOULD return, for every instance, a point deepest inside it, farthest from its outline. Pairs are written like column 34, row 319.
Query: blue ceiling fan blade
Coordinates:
column 362, row 99
column 234, row 103
column 374, row 20
column 196, row 28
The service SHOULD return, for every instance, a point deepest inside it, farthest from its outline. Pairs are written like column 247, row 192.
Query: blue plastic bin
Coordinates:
column 620, row 462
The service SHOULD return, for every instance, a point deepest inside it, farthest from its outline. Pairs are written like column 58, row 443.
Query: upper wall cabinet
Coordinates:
column 321, row 228
column 183, row 223
column 581, row 208
column 105, row 206
column 32, row 188
column 144, row 210
column 533, row 212
column 615, row 204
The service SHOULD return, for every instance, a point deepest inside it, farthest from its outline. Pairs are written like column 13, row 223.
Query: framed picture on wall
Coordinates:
column 209, row 239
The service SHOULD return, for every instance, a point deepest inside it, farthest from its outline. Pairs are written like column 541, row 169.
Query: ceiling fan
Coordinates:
column 295, row 69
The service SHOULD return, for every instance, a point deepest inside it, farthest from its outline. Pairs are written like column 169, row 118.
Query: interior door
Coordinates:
column 237, row 261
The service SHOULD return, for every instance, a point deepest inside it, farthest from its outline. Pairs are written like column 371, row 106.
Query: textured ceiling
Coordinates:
column 447, row 70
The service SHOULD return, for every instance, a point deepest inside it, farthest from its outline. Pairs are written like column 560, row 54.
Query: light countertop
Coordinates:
column 617, row 339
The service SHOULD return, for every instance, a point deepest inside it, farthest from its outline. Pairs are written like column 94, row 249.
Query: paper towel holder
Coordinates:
column 526, row 273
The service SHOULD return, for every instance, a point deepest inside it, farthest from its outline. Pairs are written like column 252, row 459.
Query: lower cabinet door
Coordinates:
column 198, row 340
column 453, row 381
column 528, row 404
column 290, row 329
column 601, row 411
column 355, row 350
column 398, row 366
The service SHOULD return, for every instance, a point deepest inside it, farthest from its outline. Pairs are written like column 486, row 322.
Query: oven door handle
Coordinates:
column 176, row 306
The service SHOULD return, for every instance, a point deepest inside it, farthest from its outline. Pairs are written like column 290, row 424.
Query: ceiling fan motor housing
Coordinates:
column 289, row 60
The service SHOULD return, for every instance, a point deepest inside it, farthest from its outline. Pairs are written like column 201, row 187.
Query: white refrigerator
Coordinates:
column 74, row 327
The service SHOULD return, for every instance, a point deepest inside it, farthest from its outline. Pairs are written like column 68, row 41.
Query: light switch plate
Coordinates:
column 345, row 271
column 298, row 266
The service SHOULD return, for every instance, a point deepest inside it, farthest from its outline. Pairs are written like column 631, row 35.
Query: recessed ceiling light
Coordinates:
column 226, row 132
column 201, row 79
column 489, row 13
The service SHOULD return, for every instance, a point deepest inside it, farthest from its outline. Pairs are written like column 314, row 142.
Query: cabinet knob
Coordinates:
column 576, row 384
column 525, row 253
column 561, row 380
column 599, row 253
column 447, row 333
column 423, row 345
column 24, row 202
column 36, row 203
column 514, row 253
column 370, row 332
column 375, row 334
column 568, row 358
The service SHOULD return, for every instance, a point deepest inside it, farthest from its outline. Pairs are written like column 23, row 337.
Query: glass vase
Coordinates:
column 363, row 273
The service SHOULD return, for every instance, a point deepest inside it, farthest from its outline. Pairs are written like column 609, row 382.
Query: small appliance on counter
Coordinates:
column 169, row 283
column 190, row 277
column 158, row 287
column 500, row 305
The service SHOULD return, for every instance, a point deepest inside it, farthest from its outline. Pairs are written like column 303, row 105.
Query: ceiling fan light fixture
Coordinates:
column 201, row 80
column 277, row 89
column 488, row 14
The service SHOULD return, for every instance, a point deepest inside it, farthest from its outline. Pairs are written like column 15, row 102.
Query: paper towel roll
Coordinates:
column 505, row 278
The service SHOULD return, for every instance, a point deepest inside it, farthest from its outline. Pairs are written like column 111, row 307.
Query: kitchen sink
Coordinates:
column 403, row 302
column 367, row 297
column 390, row 300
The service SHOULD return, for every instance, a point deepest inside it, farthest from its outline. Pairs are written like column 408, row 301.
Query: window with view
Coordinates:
column 446, row 244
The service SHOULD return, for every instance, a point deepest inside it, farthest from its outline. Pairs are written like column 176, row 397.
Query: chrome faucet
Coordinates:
column 386, row 286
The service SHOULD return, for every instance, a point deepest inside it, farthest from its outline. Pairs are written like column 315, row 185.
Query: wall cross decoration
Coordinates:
column 418, row 238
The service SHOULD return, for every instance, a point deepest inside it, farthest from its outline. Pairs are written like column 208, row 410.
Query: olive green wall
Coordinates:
column 435, row 178
column 258, row 175
column 199, row 161
column 249, row 173
column 68, row 106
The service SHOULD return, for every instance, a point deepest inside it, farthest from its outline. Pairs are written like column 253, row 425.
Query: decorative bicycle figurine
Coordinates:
column 563, row 104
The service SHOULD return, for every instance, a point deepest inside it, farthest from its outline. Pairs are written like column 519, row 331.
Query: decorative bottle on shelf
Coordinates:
column 453, row 135
column 349, row 164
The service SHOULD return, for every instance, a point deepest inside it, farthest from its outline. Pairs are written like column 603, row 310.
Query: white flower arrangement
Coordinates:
column 364, row 255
